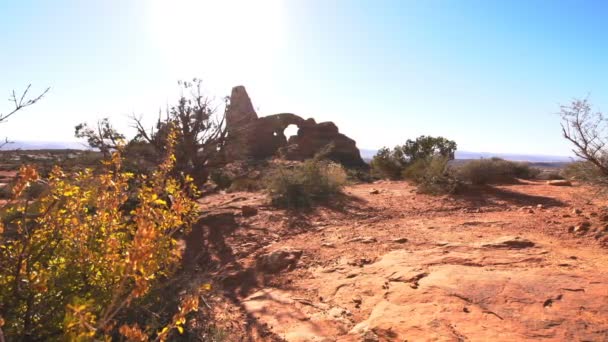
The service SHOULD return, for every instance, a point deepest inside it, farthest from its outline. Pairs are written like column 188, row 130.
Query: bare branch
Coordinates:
column 586, row 130
column 22, row 102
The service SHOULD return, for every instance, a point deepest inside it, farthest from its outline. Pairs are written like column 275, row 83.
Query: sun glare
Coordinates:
column 225, row 41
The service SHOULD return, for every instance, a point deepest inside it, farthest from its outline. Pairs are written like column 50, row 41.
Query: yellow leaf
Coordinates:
column 180, row 329
column 160, row 202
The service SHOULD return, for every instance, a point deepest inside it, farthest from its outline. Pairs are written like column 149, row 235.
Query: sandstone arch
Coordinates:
column 250, row 136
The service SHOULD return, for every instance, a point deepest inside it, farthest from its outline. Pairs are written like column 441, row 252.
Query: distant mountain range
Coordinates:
column 45, row 145
column 368, row 154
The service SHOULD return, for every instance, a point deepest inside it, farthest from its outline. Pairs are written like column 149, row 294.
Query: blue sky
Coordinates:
column 488, row 74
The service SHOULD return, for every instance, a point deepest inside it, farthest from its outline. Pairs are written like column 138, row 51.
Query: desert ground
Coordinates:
column 515, row 262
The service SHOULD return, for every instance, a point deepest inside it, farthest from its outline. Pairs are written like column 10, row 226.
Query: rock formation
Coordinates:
column 263, row 137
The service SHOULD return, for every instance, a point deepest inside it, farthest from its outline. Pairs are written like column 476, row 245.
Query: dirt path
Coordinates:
column 499, row 264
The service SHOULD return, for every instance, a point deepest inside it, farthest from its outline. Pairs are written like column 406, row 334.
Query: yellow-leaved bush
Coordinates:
column 90, row 248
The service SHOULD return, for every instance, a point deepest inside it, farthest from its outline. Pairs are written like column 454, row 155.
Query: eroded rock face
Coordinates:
column 259, row 138
column 241, row 110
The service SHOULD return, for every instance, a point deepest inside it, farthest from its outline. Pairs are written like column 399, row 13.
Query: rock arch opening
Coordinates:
column 290, row 131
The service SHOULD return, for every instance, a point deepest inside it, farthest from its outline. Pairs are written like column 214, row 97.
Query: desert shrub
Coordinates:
column 78, row 266
column 359, row 176
column 386, row 165
column 431, row 176
column 549, row 175
column 221, row 179
column 494, row 170
column 303, row 185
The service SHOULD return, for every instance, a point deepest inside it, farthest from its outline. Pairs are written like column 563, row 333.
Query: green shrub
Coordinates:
column 494, row 170
column 303, row 185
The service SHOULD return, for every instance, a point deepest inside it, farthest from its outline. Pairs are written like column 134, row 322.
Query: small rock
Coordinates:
column 530, row 211
column 370, row 336
column 249, row 211
column 363, row 239
column 278, row 260
column 509, row 242
column 400, row 240
column 583, row 227
column 328, row 244
column 336, row 312
column 540, row 206
column 577, row 211
column 559, row 182
column 374, row 192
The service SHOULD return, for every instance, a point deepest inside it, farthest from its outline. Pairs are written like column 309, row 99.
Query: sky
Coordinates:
column 488, row 74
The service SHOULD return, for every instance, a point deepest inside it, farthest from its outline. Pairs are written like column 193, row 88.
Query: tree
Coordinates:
column 201, row 131
column 103, row 137
column 200, row 134
column 425, row 147
column 586, row 130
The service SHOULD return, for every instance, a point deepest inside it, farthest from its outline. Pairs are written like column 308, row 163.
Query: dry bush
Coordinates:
column 303, row 185
column 494, row 170
column 76, row 264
